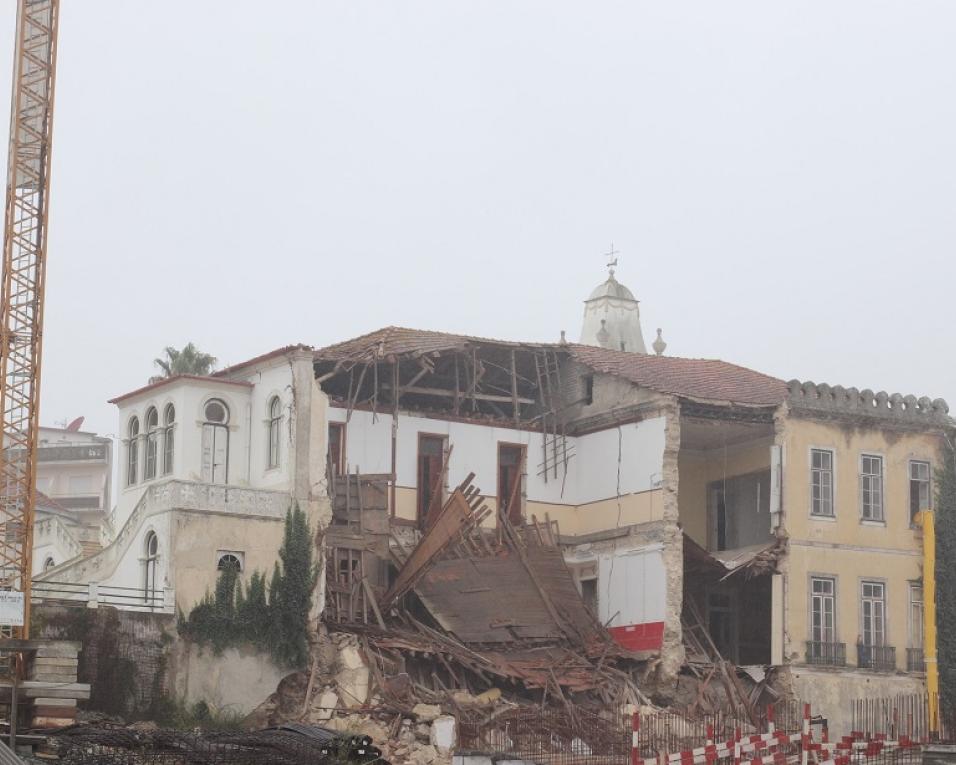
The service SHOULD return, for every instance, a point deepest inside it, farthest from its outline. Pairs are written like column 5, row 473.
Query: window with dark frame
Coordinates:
column 920, row 493
column 431, row 452
column 821, row 482
column 589, row 594
column 510, row 474
column 229, row 560
column 588, row 384
column 337, row 448
column 871, row 487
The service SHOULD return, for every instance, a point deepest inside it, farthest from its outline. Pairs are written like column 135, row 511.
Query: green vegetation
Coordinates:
column 234, row 615
column 187, row 361
column 177, row 714
column 946, row 575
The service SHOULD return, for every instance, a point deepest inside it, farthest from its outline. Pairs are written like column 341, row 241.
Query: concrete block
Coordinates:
column 53, row 677
column 54, row 662
column 471, row 759
column 58, row 651
column 45, row 702
column 426, row 712
column 443, row 732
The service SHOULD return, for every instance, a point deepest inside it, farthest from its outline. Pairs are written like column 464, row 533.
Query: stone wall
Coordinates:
column 235, row 681
column 123, row 656
column 830, row 691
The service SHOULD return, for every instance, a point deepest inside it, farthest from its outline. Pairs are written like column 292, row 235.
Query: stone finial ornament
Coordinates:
column 659, row 345
column 603, row 336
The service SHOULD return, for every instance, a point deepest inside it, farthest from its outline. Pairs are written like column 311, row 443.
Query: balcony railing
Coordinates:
column 93, row 595
column 829, row 654
column 914, row 660
column 881, row 658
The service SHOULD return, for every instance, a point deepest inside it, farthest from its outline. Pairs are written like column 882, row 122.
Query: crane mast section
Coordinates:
column 21, row 298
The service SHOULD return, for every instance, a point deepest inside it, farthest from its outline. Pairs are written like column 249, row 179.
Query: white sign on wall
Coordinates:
column 11, row 608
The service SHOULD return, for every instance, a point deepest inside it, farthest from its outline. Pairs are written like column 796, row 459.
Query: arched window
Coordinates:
column 215, row 442
column 152, row 442
column 132, row 452
column 275, row 421
column 150, row 560
column 48, row 564
column 229, row 560
column 169, row 442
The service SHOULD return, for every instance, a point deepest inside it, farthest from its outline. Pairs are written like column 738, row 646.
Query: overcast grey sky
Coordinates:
column 780, row 179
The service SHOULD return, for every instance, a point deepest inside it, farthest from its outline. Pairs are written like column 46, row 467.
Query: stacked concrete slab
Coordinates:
column 55, row 663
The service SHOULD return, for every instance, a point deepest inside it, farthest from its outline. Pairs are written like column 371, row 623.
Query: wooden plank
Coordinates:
column 446, row 529
column 27, row 646
column 53, row 677
column 43, row 701
column 441, row 392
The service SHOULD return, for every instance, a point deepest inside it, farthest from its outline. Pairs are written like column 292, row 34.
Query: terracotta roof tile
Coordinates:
column 706, row 379
column 401, row 340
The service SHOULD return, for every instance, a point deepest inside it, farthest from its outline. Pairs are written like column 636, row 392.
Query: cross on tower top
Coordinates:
column 612, row 259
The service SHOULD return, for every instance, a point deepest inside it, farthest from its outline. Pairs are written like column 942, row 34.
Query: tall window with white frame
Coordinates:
column 132, row 451
column 914, row 653
column 152, row 443
column 151, row 566
column 821, row 482
column 872, row 651
column 215, row 442
column 169, row 438
column 823, row 647
column 871, row 487
column 275, row 424
column 920, row 494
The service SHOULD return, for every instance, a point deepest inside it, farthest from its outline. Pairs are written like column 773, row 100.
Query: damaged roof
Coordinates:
column 705, row 379
column 699, row 379
column 398, row 341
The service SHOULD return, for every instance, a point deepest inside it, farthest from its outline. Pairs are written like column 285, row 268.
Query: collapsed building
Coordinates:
column 637, row 514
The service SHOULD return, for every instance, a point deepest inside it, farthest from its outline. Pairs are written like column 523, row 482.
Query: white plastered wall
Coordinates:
column 618, row 461
column 248, row 432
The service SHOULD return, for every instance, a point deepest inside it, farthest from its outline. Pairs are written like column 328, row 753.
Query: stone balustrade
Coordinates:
column 820, row 397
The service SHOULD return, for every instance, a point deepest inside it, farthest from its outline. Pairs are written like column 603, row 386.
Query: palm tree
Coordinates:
column 188, row 361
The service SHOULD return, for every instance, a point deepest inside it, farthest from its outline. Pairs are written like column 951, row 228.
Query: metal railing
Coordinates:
column 881, row 658
column 549, row 736
column 914, row 660
column 829, row 654
column 93, row 595
column 904, row 716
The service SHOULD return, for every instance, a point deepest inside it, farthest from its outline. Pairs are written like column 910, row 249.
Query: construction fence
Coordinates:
column 784, row 734
column 906, row 717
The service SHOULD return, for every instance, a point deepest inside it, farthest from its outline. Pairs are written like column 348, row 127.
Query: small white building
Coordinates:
column 208, row 468
column 74, row 476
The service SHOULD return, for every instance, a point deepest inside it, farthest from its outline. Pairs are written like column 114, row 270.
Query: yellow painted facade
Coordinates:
column 845, row 547
column 573, row 520
column 699, row 469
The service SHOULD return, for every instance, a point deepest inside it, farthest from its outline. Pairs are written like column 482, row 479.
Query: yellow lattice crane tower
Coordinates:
column 21, row 300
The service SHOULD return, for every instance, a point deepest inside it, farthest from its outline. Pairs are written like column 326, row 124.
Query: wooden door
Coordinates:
column 510, row 472
column 337, row 448
column 431, row 450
